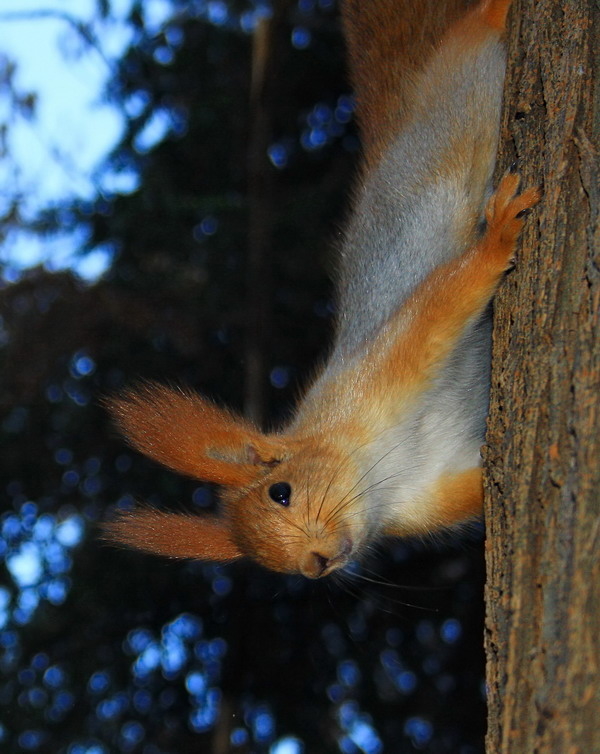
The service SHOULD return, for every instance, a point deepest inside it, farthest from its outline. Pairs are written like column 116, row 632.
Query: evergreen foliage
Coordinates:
column 105, row 651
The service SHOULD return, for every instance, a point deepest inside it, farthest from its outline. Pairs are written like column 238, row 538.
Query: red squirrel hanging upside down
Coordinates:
column 386, row 439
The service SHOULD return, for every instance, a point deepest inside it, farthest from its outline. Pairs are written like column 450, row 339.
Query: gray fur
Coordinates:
column 421, row 207
column 410, row 216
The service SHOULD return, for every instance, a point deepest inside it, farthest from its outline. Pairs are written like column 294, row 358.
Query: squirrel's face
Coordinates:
column 303, row 517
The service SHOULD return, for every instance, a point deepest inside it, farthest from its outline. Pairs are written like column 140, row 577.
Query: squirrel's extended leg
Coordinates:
column 452, row 499
column 431, row 323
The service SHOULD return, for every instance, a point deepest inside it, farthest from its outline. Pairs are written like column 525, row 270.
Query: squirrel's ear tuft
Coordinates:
column 192, row 436
column 175, row 535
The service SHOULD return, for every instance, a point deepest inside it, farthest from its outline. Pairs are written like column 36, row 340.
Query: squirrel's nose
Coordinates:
column 320, row 563
column 316, row 564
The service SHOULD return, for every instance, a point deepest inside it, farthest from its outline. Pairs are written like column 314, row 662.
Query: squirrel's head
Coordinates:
column 295, row 518
column 287, row 501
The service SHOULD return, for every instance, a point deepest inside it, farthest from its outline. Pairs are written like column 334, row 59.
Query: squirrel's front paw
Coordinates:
column 506, row 211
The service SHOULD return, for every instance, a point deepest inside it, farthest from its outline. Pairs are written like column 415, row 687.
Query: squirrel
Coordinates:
column 386, row 440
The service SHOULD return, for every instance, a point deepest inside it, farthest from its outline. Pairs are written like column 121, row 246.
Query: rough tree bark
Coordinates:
column 543, row 444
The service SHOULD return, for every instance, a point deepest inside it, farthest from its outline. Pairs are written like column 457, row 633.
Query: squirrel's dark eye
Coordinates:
column 280, row 492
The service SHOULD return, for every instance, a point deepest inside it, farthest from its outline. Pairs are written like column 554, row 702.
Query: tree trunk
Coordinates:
column 543, row 443
column 267, row 53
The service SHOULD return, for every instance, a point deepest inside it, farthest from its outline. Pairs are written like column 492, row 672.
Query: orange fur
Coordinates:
column 191, row 435
column 187, row 433
column 367, row 393
column 495, row 13
column 175, row 535
column 389, row 40
column 453, row 499
column 457, row 497
column 411, row 347
column 451, row 297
